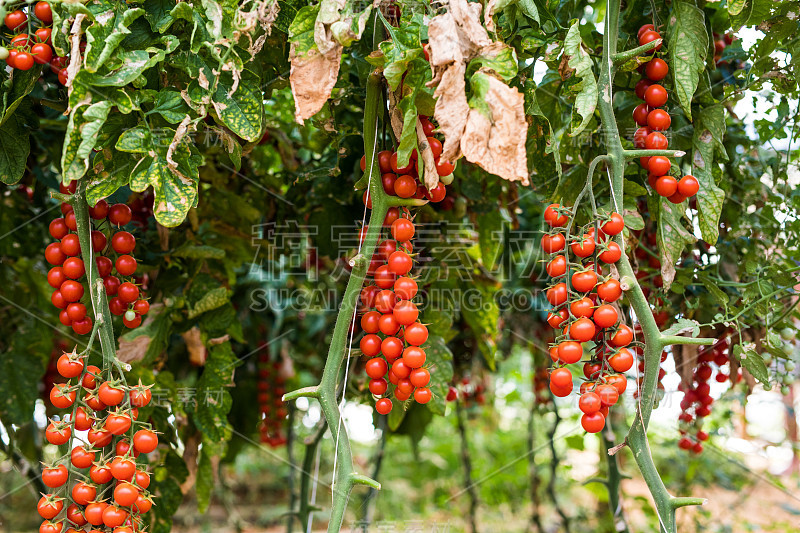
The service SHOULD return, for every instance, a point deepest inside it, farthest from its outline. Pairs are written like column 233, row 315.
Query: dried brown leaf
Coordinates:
column 452, row 109
column 312, row 78
column 498, row 144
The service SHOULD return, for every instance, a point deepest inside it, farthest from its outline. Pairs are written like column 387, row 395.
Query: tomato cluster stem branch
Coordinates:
column 653, row 339
column 623, row 57
column 338, row 353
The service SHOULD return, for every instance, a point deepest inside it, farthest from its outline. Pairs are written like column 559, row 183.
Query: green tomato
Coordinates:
column 785, row 390
column 788, row 349
column 130, row 314
column 789, row 365
column 3, row 52
column 460, row 207
column 447, row 180
column 788, row 334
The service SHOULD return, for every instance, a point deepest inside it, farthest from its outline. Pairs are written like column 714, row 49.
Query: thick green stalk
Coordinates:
column 338, row 352
column 654, row 341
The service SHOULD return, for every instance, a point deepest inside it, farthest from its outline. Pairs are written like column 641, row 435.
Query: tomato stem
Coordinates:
column 338, row 352
column 653, row 339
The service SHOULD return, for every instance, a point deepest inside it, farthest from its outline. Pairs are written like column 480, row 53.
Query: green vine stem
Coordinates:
column 654, row 340
column 325, row 391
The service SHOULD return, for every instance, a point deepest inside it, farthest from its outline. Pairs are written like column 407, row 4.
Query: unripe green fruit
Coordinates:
column 3, row 52
column 130, row 315
column 788, row 334
column 447, row 180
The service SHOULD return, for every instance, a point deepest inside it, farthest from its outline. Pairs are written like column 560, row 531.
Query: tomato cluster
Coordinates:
column 583, row 305
column 393, row 335
column 404, row 181
column 469, row 390
column 69, row 272
column 24, row 50
column 720, row 43
column 541, row 383
column 653, row 122
column 696, row 402
column 270, row 401
column 102, row 484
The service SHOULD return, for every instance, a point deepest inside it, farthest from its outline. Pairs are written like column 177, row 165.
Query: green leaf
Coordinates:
column 683, row 325
column 213, row 400
column 672, row 237
column 500, row 62
column 191, row 251
column 205, row 481
column 687, row 41
column 135, row 140
column 439, row 358
column 713, row 289
column 408, row 138
column 20, row 372
column 754, row 363
column 398, row 52
column 112, row 172
column 708, row 133
column 242, row 110
column 22, row 83
column 14, row 148
column 106, row 33
column 301, row 30
column 211, row 300
column 482, row 316
column 490, row 238
column 170, row 106
column 84, row 126
column 586, row 88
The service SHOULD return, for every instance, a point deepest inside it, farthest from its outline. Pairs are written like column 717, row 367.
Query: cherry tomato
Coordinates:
column 83, row 493
column 56, row 276
column 55, row 476
column 557, row 294
column 622, row 361
column 666, row 186
column 640, row 114
column 584, row 281
column 655, row 95
column 125, row 494
column 42, row 53
column 119, row 215
column 110, row 395
column 659, row 165
column 416, row 334
column 23, row 61
column 378, row 387
column 582, row 330
column 644, row 28
column 405, row 288
column 557, row 266
column 423, row 395
column 561, row 377
column 370, row 345
column 16, row 19
column 589, row 403
column 584, row 247
column 594, row 422
column 43, row 12
column 552, row 217
column 553, row 243
column 392, row 348
column 656, row 141
column 657, row 69
column 383, row 406
column 650, row 36
column 688, row 186
column 659, row 120
column 413, row 357
column 605, row 316
column 641, row 87
column 609, row 291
